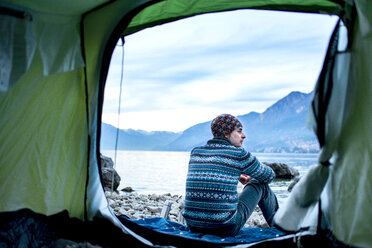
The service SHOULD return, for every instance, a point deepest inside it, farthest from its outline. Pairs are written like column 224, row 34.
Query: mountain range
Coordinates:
column 280, row 128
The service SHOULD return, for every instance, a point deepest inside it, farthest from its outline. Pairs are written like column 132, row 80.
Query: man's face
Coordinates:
column 236, row 137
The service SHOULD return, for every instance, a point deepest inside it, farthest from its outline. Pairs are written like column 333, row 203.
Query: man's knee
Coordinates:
column 256, row 184
column 262, row 189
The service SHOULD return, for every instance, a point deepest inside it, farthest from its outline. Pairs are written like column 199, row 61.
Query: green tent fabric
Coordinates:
column 166, row 11
column 54, row 62
column 346, row 195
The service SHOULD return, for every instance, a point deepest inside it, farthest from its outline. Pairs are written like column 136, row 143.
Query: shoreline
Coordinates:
column 138, row 206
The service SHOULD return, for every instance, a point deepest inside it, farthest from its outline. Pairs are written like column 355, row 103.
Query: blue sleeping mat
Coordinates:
column 177, row 232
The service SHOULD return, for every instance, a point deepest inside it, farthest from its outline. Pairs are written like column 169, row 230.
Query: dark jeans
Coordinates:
column 253, row 194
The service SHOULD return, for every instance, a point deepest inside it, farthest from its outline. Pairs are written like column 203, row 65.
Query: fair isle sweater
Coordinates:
column 211, row 198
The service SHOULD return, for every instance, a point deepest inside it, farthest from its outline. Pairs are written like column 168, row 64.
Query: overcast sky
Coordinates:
column 183, row 73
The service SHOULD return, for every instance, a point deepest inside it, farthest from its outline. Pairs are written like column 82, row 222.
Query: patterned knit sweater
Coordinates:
column 211, row 186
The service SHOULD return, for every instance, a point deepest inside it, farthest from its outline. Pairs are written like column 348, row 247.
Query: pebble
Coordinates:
column 137, row 206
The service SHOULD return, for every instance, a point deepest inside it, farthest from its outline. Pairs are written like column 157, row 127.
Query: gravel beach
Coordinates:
column 137, row 206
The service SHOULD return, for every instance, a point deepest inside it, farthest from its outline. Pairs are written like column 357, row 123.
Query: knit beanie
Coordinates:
column 224, row 124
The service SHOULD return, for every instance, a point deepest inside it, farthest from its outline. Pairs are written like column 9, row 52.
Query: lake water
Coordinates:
column 163, row 172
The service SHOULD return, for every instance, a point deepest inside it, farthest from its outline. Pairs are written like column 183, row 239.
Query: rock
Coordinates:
column 283, row 171
column 111, row 202
column 154, row 209
column 154, row 197
column 107, row 170
column 256, row 219
column 122, row 211
column 127, row 208
column 293, row 183
column 127, row 189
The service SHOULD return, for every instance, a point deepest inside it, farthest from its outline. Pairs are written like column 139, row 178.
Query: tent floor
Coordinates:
column 25, row 228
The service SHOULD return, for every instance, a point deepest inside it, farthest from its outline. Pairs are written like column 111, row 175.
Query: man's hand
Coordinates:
column 244, row 179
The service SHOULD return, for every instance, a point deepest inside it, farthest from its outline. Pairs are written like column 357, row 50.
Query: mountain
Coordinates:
column 280, row 128
column 134, row 139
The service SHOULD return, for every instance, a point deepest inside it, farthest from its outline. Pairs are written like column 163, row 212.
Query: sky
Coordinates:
column 187, row 72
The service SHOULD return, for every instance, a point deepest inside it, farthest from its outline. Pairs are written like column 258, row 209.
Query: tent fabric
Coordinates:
column 347, row 192
column 302, row 205
column 350, row 189
column 43, row 152
column 52, row 94
column 299, row 212
column 167, row 11
column 12, row 56
column 67, row 7
column 45, row 130
column 59, row 52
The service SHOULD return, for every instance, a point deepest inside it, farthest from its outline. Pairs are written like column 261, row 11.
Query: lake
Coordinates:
column 163, row 172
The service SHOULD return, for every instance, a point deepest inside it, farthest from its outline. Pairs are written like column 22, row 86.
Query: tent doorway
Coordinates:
column 176, row 77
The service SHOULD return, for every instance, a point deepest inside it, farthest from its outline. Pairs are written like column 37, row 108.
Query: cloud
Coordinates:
column 183, row 73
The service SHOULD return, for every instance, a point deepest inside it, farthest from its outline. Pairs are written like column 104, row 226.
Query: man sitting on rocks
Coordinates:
column 212, row 202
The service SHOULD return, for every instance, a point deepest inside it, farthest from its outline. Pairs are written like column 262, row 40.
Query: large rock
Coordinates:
column 283, row 171
column 107, row 168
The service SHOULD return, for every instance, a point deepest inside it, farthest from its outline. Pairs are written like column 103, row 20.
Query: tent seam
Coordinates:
column 87, row 114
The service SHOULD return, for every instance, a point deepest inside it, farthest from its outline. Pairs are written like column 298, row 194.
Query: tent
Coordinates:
column 54, row 60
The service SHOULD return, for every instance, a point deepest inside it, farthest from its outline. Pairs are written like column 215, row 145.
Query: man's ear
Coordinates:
column 227, row 136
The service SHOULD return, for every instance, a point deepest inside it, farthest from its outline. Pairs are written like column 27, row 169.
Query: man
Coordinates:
column 212, row 202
